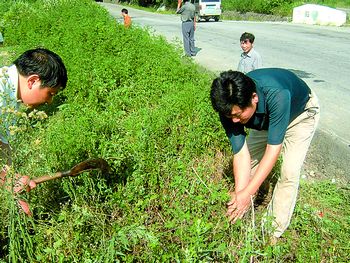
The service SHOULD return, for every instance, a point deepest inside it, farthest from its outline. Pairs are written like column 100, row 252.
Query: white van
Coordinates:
column 206, row 9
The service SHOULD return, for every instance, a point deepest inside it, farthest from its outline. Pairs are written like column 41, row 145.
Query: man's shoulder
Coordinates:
column 254, row 53
column 180, row 10
column 268, row 72
column 189, row 5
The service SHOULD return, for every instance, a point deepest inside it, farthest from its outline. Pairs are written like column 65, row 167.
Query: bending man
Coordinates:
column 282, row 114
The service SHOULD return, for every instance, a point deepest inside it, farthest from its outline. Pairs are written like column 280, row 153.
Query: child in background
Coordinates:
column 250, row 59
column 127, row 18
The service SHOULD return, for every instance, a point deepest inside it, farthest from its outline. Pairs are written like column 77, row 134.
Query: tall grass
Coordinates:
column 134, row 101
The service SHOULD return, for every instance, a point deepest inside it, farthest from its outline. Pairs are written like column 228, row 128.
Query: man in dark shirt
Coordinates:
column 282, row 114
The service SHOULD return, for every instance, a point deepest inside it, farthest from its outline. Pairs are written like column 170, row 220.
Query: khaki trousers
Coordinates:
column 295, row 146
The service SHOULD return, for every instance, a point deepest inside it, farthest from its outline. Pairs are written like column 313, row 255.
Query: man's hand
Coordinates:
column 25, row 207
column 238, row 206
column 23, row 183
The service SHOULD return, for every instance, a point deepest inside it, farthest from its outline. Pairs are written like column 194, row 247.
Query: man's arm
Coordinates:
column 179, row 2
column 264, row 168
column 241, row 168
column 194, row 21
column 180, row 10
column 241, row 172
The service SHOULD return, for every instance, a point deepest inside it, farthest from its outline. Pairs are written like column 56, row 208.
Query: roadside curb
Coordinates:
column 328, row 158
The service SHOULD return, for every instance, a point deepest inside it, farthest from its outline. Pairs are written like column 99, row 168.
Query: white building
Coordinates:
column 318, row 15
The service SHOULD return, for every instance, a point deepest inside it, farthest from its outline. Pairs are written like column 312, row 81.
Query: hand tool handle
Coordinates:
column 42, row 179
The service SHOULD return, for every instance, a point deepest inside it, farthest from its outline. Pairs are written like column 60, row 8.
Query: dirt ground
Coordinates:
column 327, row 159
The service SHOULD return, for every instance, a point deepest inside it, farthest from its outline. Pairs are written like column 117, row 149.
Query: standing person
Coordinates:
column 127, row 18
column 250, row 58
column 33, row 79
column 188, row 19
column 282, row 114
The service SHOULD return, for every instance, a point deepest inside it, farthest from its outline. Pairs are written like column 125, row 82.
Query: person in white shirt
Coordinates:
column 33, row 79
column 250, row 58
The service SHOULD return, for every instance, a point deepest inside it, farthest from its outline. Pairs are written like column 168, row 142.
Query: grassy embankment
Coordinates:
column 134, row 101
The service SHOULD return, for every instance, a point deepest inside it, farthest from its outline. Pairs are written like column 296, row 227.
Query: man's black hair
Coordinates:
column 46, row 64
column 125, row 11
column 232, row 88
column 248, row 36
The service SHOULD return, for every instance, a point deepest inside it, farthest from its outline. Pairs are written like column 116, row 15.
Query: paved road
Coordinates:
column 318, row 54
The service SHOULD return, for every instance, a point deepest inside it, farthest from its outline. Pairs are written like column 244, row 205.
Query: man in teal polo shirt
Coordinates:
column 282, row 114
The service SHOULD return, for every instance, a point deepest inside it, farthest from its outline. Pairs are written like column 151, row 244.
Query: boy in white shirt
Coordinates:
column 250, row 59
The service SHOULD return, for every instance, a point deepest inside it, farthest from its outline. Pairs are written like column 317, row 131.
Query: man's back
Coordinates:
column 187, row 12
column 267, row 79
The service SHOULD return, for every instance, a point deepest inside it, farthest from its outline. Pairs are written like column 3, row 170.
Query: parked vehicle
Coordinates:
column 207, row 9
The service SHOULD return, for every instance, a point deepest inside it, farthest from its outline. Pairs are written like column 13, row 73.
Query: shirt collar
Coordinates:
column 249, row 54
column 13, row 76
column 261, row 107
